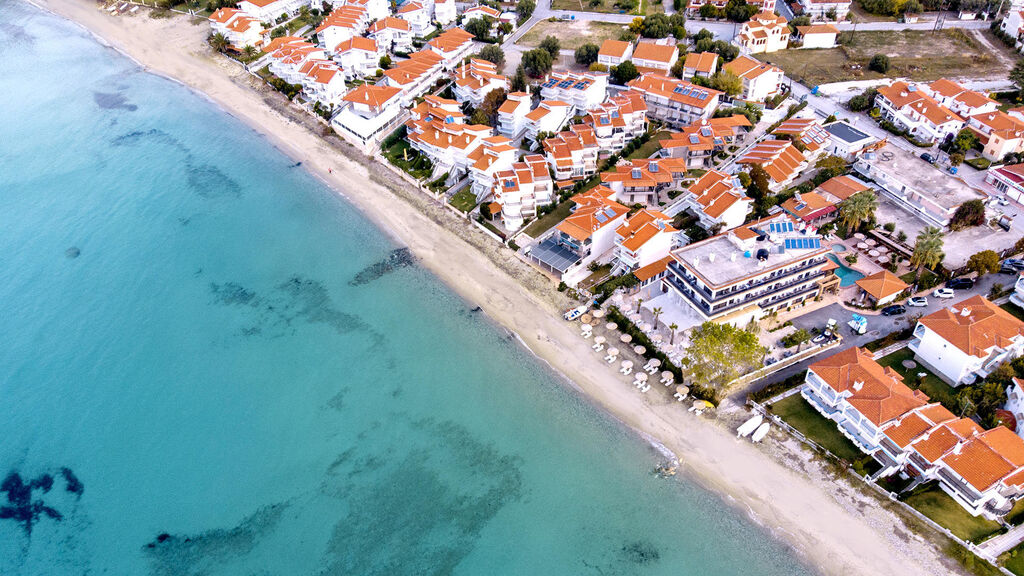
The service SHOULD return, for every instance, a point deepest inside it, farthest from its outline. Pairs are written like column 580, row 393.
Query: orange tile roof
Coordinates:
column 389, row 23
column 817, row 29
column 613, row 48
column 881, row 285
column 842, row 187
column 653, row 269
column 646, row 173
column 409, row 7
column 902, row 95
column 808, row 206
column 975, row 326
column 748, row 68
column 676, row 90
column 594, row 210
column 999, row 123
column 987, row 458
column 484, row 10
column 222, row 15
column 641, row 227
column 701, row 61
column 356, row 43
column 917, row 422
column 451, row 39
column 655, row 52
column 779, row 158
column 877, row 392
column 716, row 192
column 372, row 94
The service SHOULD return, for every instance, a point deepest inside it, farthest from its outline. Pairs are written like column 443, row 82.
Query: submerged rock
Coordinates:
column 398, row 258
column 72, row 252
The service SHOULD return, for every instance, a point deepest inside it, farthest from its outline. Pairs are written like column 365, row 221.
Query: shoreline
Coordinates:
column 827, row 526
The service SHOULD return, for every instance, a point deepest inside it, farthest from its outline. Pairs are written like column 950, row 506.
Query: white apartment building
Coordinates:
column 452, row 45
column 324, row 82
column 358, row 56
column 287, row 60
column 342, row 24
column 448, row 146
column 718, row 200
column 748, row 272
column 614, row 52
column 512, row 115
column 999, row 133
column 415, row 76
column 642, row 181
column 240, row 29
column 760, row 81
column 548, row 117
column 270, row 10
column 675, row 102
column 495, row 154
column 583, row 91
column 779, row 158
column 444, row 12
column 643, row 239
column 375, row 9
column 960, row 100
column 418, row 16
column 651, row 56
column 521, row 189
column 391, row 34
column 369, row 112
column 618, row 120
column 966, row 342
column 475, row 79
column 573, row 153
column 914, row 111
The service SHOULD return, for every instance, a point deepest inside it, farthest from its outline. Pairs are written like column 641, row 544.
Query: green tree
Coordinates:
column 479, row 27
column 385, row 62
column 656, row 26
column 927, row 250
column 857, row 209
column 587, row 54
column 672, row 333
column 798, row 338
column 657, row 312
column 493, row 54
column 552, row 45
column 479, row 117
column 524, row 9
column 879, row 63
column 492, row 101
column 708, row 10
column 830, row 167
column 219, row 42
column 984, row 262
column 1017, row 75
column 719, row 353
column 760, row 183
column 799, row 21
column 703, row 34
column 968, row 214
column 518, row 83
column 537, row 62
column 965, row 140
column 505, row 28
column 739, row 10
column 250, row 52
column 956, row 159
column 727, row 82
column 624, row 73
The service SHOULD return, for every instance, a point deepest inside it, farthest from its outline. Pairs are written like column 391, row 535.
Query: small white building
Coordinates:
column 476, row 79
column 967, row 341
column 999, row 133
column 583, row 91
column 760, row 81
column 816, row 36
column 643, row 239
column 521, row 189
column 618, row 120
column 512, row 115
column 1010, row 181
column 495, row 154
column 548, row 117
column 391, row 34
column 703, row 64
column 444, row 12
column 848, row 142
column 419, row 18
column 572, row 153
column 342, row 24
column 240, row 29
column 718, row 200
column 765, row 32
column 614, row 52
column 369, row 113
column 655, row 57
column 324, row 82
column 358, row 56
column 779, row 158
column 415, row 76
column 452, row 45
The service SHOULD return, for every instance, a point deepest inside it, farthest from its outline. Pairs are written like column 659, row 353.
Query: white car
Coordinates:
column 944, row 293
column 919, row 301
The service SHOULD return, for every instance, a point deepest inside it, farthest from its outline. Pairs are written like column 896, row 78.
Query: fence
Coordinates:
column 778, row 421
column 784, row 363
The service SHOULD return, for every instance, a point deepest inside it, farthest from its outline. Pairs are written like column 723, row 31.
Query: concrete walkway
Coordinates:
column 995, row 547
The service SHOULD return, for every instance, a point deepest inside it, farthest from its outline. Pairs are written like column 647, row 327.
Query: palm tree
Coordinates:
column 639, row 301
column 250, row 52
column 927, row 250
column 857, row 209
column 219, row 42
column 657, row 312
column 672, row 337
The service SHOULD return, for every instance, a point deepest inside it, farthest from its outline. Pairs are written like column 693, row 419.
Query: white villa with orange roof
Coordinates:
column 375, row 9
column 572, row 153
column 448, row 144
column 324, row 82
column 816, row 36
column 643, row 180
column 760, row 81
column 287, row 61
column 750, row 271
column 512, row 115
column 765, row 32
column 618, row 120
column 718, row 200
column 960, row 100
column 495, row 154
column 548, row 117
column 475, row 79
column 240, row 29
column 779, row 158
column 480, row 11
column 808, row 132
column 360, row 57
column 521, row 189
column 369, row 112
column 966, row 342
column 913, row 110
column 391, row 34
column 419, row 16
column 583, row 91
column 1013, row 26
column 907, row 433
column 999, row 133
column 587, row 235
column 703, row 64
column 614, row 52
column 675, row 102
column 445, row 12
column 416, row 75
column 452, row 46
column 269, row 10
column 643, row 239
column 651, row 56
column 342, row 24
column 700, row 141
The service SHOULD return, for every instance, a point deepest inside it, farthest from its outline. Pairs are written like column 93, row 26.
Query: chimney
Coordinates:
column 858, row 384
column 711, row 257
column 965, row 311
column 732, row 257
column 958, row 448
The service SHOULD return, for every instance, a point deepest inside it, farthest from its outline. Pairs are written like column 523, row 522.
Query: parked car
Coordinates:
column 918, row 301
column 1012, row 266
column 894, row 310
column 960, row 283
column 943, row 293
column 927, row 158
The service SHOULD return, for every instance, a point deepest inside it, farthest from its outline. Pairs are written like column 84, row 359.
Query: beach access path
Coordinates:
column 837, row 527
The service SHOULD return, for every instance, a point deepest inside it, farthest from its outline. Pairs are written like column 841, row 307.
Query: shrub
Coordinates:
column 879, row 63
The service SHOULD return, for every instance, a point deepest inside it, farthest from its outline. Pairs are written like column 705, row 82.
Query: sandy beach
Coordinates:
column 831, row 523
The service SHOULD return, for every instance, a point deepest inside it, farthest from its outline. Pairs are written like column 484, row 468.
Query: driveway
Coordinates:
column 878, row 326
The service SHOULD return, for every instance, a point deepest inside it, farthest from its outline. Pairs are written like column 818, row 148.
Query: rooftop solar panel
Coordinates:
column 694, row 139
column 600, row 216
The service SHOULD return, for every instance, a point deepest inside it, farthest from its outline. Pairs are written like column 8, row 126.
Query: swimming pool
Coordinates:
column 838, row 248
column 847, row 275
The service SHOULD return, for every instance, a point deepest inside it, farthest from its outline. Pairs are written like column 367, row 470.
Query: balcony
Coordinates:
column 751, row 295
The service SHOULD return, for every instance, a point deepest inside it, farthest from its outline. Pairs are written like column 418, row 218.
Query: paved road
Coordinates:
column 878, row 326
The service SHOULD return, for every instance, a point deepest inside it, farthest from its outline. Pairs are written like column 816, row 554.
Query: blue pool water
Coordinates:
column 847, row 276
column 203, row 372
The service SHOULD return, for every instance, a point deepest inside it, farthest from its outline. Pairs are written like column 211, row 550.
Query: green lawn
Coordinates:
column 1013, row 309
column 800, row 415
column 916, row 54
column 1016, row 514
column 401, row 154
column 940, row 507
column 572, row 35
column 649, row 147
column 1014, row 560
column 464, row 200
column 931, row 384
column 549, row 220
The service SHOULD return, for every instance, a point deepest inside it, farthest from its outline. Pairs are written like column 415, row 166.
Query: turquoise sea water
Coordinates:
column 195, row 378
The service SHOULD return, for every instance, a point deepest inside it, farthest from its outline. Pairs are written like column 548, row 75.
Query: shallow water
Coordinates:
column 210, row 364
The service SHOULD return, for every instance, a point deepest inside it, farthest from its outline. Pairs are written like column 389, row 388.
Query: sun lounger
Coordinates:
column 645, row 388
column 598, row 346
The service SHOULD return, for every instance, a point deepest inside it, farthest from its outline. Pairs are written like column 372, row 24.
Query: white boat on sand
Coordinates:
column 749, row 426
column 761, row 432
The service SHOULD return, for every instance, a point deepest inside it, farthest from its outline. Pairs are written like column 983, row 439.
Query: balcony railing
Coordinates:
column 680, row 272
